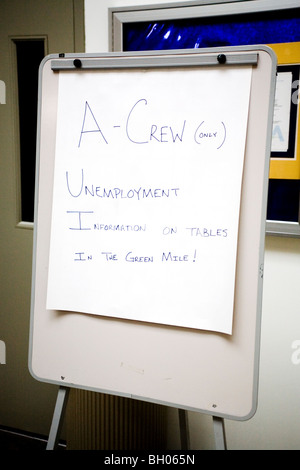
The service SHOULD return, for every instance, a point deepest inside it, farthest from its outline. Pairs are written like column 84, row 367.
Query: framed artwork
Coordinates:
column 284, row 183
column 241, row 23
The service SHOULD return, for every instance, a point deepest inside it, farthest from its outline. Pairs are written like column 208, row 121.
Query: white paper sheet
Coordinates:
column 282, row 109
column 147, row 185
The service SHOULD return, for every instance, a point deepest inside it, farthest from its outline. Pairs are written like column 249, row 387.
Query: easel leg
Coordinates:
column 219, row 430
column 184, row 430
column 58, row 416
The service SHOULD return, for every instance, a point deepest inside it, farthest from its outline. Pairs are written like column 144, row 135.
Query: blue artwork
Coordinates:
column 234, row 30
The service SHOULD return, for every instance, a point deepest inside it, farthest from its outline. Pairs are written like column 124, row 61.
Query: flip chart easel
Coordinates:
column 180, row 366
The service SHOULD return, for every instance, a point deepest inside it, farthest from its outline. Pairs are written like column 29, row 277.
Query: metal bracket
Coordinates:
column 118, row 61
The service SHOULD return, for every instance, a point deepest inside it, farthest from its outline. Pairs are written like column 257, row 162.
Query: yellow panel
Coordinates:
column 287, row 53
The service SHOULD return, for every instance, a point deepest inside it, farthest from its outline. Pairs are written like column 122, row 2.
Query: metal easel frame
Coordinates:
column 58, row 417
column 232, row 57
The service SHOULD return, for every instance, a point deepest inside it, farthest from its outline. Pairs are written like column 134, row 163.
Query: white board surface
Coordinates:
column 189, row 368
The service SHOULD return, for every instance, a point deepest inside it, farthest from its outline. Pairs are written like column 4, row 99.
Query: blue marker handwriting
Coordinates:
column 77, row 188
column 173, row 133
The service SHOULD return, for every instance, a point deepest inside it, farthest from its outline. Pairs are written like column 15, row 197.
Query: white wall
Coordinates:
column 276, row 424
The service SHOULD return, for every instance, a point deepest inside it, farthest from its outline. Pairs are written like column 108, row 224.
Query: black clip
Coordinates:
column 77, row 63
column 221, row 58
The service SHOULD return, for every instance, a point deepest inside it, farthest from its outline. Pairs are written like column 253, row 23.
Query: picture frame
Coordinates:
column 272, row 22
column 284, row 178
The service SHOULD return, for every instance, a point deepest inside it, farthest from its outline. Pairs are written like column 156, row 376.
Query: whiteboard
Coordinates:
column 156, row 352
